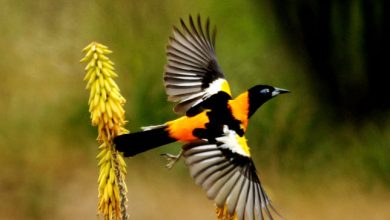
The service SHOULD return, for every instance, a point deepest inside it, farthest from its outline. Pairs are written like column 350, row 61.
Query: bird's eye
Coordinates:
column 264, row 91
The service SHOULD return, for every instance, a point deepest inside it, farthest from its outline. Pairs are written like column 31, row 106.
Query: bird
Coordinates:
column 211, row 123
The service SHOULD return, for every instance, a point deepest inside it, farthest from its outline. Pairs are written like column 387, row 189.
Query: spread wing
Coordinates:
column 192, row 73
column 228, row 175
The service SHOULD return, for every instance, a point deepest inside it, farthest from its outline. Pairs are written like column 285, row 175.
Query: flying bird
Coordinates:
column 212, row 124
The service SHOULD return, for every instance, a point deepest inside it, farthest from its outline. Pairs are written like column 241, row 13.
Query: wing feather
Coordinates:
column 242, row 200
column 216, row 180
column 226, row 189
column 250, row 202
column 232, row 199
column 192, row 66
column 228, row 177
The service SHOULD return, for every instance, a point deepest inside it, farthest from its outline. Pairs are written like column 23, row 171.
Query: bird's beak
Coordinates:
column 278, row 91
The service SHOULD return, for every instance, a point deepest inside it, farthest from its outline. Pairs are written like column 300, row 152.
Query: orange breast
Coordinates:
column 240, row 109
column 182, row 128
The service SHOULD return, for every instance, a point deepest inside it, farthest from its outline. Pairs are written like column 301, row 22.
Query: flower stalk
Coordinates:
column 107, row 114
column 223, row 214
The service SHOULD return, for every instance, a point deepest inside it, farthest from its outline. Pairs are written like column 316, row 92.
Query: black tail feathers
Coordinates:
column 138, row 142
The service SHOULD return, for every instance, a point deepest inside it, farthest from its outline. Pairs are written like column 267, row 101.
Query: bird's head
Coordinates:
column 259, row 94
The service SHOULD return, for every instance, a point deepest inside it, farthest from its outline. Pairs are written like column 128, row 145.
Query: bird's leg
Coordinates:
column 172, row 159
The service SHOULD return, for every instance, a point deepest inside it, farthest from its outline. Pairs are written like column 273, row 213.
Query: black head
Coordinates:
column 259, row 94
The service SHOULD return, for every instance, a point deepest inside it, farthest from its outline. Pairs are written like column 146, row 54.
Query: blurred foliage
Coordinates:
column 47, row 143
column 344, row 43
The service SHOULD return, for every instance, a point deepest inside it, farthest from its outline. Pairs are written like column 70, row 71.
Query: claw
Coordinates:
column 172, row 159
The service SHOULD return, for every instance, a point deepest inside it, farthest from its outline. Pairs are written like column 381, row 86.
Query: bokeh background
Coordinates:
column 322, row 151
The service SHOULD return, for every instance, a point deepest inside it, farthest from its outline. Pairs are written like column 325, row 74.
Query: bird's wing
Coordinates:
column 192, row 73
column 228, row 175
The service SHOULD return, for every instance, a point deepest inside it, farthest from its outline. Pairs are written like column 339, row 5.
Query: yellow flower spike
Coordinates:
column 109, row 191
column 103, row 57
column 102, row 105
column 102, row 146
column 102, row 151
column 101, row 82
column 88, row 75
column 223, row 214
column 116, row 193
column 107, row 114
column 87, row 48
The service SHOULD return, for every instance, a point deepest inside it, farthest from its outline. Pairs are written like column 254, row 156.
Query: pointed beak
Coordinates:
column 278, row 91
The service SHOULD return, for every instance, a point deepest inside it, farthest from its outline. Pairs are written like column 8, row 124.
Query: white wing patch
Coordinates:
column 215, row 87
column 230, row 141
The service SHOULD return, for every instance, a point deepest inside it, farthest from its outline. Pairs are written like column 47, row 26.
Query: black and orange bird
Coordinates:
column 212, row 126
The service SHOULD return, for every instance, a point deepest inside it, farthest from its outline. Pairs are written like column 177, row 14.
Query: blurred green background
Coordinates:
column 322, row 151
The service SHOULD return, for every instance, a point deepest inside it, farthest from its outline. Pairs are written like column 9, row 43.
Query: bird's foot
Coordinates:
column 172, row 159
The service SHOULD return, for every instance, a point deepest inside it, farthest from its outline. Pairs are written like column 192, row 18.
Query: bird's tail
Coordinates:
column 138, row 142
